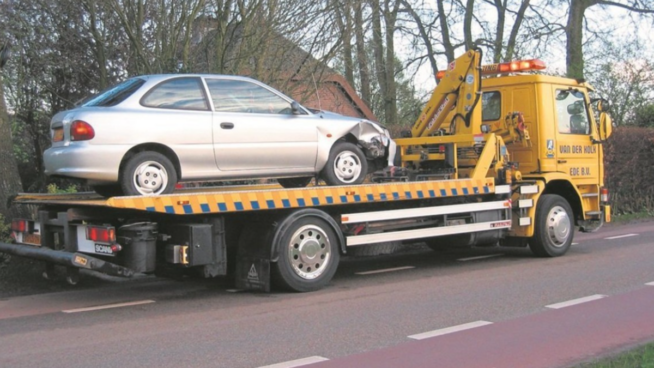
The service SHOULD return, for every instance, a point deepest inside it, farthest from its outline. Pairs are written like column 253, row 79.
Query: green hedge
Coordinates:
column 629, row 170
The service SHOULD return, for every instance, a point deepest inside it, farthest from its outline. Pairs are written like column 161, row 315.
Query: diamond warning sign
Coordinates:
column 252, row 274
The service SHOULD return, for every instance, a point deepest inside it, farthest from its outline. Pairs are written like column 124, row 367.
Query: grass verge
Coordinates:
column 641, row 357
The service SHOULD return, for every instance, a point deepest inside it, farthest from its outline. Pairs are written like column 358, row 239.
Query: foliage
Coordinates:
column 644, row 116
column 629, row 173
column 54, row 189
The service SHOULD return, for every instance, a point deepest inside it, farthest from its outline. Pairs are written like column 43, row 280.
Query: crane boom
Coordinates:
column 458, row 90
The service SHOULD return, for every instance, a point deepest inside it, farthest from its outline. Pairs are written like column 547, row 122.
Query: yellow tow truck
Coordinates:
column 499, row 155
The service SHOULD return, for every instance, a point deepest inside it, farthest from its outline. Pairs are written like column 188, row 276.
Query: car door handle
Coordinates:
column 227, row 125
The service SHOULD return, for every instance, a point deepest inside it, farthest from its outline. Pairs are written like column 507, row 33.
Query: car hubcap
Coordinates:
column 347, row 167
column 558, row 226
column 309, row 252
column 150, row 177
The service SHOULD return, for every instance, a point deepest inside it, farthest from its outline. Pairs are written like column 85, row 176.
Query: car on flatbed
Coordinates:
column 148, row 133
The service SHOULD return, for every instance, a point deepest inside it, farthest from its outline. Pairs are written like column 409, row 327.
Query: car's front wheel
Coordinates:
column 346, row 165
column 148, row 173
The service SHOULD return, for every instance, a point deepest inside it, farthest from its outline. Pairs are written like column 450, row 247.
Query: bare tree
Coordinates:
column 575, row 26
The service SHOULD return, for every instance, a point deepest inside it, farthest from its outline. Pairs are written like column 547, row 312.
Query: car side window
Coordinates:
column 491, row 106
column 178, row 93
column 230, row 95
column 571, row 112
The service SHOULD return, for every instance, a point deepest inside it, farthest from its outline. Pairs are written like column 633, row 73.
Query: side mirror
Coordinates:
column 296, row 109
column 605, row 126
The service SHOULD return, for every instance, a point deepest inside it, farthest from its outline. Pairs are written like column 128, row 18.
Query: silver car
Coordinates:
column 148, row 133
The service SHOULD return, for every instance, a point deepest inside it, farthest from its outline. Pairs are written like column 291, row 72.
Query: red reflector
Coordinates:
column 81, row 131
column 101, row 234
column 440, row 75
column 20, row 226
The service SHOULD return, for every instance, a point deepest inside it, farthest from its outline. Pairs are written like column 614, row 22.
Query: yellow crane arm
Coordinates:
column 459, row 89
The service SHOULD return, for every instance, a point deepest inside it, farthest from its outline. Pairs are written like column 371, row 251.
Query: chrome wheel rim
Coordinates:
column 347, row 167
column 150, row 177
column 558, row 226
column 309, row 252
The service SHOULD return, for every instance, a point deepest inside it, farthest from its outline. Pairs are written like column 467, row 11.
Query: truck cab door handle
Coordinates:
column 562, row 161
column 227, row 125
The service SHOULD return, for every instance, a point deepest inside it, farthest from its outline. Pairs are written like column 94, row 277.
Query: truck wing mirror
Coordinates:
column 605, row 126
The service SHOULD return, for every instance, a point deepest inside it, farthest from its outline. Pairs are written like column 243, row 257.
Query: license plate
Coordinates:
column 58, row 135
column 33, row 239
column 103, row 249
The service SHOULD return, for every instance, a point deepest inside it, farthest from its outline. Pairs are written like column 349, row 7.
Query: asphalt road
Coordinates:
column 361, row 319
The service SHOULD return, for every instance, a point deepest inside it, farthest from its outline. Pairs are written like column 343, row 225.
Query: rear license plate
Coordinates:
column 33, row 239
column 58, row 135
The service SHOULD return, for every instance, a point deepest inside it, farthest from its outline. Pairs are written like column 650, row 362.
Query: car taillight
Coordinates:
column 101, row 234
column 604, row 195
column 81, row 131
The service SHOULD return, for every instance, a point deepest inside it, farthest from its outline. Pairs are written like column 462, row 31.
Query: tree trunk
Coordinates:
column 519, row 18
column 467, row 24
column 390, row 97
column 378, row 48
column 445, row 32
column 10, row 183
column 500, row 5
column 574, row 59
column 362, row 57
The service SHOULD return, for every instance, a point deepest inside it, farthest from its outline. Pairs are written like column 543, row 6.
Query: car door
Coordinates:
column 255, row 130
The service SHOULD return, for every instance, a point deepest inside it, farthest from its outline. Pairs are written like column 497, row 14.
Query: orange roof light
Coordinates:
column 509, row 67
column 513, row 67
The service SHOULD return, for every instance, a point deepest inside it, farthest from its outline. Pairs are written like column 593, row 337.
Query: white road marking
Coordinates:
column 574, row 243
column 448, row 330
column 575, row 301
column 108, row 306
column 650, row 283
column 479, row 257
column 620, row 236
column 297, row 362
column 385, row 270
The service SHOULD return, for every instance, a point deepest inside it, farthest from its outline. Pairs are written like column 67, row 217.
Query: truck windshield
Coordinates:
column 116, row 94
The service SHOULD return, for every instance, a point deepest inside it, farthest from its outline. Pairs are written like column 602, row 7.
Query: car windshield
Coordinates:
column 115, row 94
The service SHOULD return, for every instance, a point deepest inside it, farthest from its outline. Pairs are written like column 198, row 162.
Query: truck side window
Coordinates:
column 491, row 106
column 571, row 112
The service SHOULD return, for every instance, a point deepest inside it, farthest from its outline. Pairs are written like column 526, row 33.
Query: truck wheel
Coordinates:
column 308, row 255
column 148, row 173
column 554, row 227
column 346, row 165
column 294, row 182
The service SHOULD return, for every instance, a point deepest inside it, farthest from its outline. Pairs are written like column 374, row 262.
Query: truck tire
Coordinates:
column 308, row 255
column 346, row 165
column 148, row 173
column 554, row 227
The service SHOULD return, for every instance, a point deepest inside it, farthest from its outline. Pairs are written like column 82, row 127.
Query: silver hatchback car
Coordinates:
column 146, row 134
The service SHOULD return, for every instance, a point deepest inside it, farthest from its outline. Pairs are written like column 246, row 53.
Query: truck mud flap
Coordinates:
column 69, row 259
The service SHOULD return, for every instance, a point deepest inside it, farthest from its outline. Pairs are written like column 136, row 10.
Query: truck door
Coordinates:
column 576, row 154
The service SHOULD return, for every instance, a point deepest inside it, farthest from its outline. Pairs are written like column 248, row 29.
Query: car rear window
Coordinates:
column 116, row 94
column 178, row 93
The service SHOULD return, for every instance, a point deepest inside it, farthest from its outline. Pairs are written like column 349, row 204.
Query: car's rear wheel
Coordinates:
column 346, row 165
column 148, row 173
column 294, row 182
